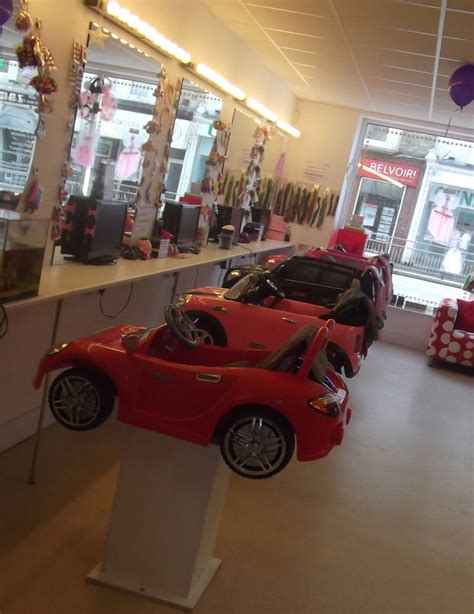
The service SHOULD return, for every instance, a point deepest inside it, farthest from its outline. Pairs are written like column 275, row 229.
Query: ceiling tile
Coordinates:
column 248, row 32
column 366, row 53
column 461, row 5
column 228, row 11
column 287, row 21
column 401, row 96
column 307, row 43
column 389, row 13
column 389, row 64
column 442, row 83
column 435, row 3
column 454, row 49
column 310, row 7
column 405, row 87
column 328, row 72
column 397, row 74
column 447, row 67
column 459, row 25
column 390, row 38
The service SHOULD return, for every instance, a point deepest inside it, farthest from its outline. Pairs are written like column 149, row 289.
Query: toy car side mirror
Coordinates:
column 130, row 342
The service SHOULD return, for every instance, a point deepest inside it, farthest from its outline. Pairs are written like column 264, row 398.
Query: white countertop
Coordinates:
column 72, row 278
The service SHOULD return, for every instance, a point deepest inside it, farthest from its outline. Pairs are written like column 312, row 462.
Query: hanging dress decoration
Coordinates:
column 108, row 104
column 441, row 222
column 84, row 154
column 128, row 161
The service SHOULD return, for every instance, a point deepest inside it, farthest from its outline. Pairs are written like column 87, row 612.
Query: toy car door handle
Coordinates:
column 290, row 321
column 208, row 377
column 219, row 308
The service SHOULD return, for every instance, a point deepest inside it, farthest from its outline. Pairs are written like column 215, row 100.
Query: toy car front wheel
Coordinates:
column 210, row 331
column 256, row 443
column 81, row 399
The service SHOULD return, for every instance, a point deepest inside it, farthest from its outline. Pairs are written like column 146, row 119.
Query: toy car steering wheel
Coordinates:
column 181, row 326
column 276, row 289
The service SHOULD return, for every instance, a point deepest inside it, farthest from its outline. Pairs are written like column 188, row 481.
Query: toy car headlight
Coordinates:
column 57, row 348
column 327, row 405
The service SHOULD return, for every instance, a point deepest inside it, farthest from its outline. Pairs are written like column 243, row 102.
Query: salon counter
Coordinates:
column 69, row 306
column 69, row 278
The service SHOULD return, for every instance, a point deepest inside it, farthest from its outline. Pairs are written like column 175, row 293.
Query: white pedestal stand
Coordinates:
column 164, row 520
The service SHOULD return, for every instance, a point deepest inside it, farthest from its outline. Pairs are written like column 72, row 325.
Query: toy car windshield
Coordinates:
column 240, row 289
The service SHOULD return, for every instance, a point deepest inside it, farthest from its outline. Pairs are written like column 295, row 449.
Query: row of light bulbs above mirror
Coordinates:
column 125, row 18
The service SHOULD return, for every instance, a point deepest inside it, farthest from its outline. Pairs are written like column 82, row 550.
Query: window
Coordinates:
column 413, row 193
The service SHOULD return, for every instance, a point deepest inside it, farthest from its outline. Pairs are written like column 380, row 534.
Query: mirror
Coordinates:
column 242, row 139
column 274, row 147
column 18, row 120
column 116, row 103
column 192, row 140
column 115, row 109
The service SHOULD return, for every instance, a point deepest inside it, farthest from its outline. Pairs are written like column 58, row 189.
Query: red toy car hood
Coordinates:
column 65, row 354
column 208, row 291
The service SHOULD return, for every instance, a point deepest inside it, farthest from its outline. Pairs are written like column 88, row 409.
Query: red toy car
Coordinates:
column 254, row 313
column 252, row 403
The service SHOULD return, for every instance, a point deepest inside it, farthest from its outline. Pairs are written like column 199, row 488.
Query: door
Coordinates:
column 176, row 392
column 379, row 202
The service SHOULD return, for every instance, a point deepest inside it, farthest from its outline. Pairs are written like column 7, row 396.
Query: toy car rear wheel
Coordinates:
column 210, row 331
column 256, row 443
column 81, row 399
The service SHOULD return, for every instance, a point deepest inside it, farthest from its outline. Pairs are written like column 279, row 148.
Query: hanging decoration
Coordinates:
column 128, row 161
column 249, row 194
column 31, row 52
column 156, row 152
column 304, row 203
column 34, row 194
column 212, row 183
column 76, row 73
column 461, row 85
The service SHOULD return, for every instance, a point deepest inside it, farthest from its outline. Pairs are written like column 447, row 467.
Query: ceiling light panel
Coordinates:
column 211, row 75
column 131, row 22
column 261, row 109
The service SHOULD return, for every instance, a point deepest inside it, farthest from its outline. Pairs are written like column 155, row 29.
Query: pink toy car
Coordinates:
column 254, row 313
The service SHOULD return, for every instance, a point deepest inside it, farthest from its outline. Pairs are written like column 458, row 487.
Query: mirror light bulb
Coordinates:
column 113, row 8
column 133, row 22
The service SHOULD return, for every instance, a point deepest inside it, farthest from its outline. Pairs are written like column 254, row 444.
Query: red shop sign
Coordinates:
column 385, row 170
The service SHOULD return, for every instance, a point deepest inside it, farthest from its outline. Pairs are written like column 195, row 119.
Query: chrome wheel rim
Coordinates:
column 255, row 446
column 205, row 337
column 75, row 401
